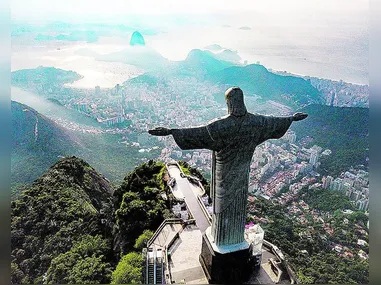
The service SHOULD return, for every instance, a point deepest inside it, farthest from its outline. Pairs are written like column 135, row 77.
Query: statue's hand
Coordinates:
column 160, row 131
column 299, row 116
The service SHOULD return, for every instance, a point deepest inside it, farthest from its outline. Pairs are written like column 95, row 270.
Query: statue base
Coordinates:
column 227, row 264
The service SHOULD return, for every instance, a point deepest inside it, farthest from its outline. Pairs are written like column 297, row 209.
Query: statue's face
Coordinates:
column 234, row 101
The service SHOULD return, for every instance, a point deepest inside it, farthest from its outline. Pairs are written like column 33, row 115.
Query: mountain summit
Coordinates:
column 59, row 227
column 137, row 39
column 204, row 62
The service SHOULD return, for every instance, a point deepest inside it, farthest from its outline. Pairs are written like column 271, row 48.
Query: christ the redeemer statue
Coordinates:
column 232, row 139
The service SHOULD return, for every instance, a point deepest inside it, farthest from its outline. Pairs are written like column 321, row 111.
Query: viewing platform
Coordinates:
column 191, row 194
column 172, row 254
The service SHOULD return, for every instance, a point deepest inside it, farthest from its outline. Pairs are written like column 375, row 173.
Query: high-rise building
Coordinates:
column 337, row 184
column 303, row 167
column 347, row 189
column 324, row 182
column 358, row 195
column 123, row 105
column 346, row 186
column 290, row 137
column 335, row 100
column 258, row 153
column 366, row 207
column 314, row 157
column 353, row 195
column 97, row 90
column 362, row 204
column 329, row 99
column 327, row 181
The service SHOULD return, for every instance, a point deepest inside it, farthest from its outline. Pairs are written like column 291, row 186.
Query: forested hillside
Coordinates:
column 308, row 247
column 57, row 226
column 342, row 130
column 37, row 142
column 70, row 226
column 256, row 79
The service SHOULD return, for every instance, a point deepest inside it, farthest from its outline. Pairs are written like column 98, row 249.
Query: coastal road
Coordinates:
column 183, row 185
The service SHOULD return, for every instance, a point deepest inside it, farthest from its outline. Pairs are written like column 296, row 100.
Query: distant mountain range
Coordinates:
column 229, row 55
column 256, row 79
column 138, row 55
column 45, row 77
column 86, row 36
column 221, row 69
column 33, row 152
column 203, row 62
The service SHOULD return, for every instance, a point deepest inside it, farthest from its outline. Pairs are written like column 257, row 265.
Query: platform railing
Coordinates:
column 162, row 225
column 277, row 252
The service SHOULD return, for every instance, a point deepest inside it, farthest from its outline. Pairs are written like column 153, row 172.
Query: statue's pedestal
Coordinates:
column 226, row 264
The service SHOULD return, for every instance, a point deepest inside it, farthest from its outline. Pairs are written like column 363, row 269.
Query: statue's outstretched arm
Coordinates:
column 275, row 127
column 160, row 131
column 299, row 116
column 189, row 138
column 295, row 117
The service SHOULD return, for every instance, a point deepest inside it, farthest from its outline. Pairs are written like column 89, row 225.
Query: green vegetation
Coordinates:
column 325, row 200
column 327, row 268
column 184, row 169
column 140, row 204
column 320, row 264
column 342, row 130
column 128, row 270
column 33, row 152
column 32, row 155
column 141, row 241
column 84, row 263
column 50, row 218
column 70, row 226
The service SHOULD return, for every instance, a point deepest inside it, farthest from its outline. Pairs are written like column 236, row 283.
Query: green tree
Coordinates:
column 303, row 279
column 142, row 240
column 139, row 204
column 17, row 276
column 53, row 213
column 359, row 216
column 84, row 263
column 90, row 270
column 321, row 265
column 128, row 270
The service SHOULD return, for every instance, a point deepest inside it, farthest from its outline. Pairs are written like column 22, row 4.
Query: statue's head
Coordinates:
column 234, row 100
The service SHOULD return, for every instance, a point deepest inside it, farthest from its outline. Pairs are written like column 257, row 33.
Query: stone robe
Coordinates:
column 232, row 141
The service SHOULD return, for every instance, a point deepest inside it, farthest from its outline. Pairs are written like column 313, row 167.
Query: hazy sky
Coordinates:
column 37, row 9
column 325, row 38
